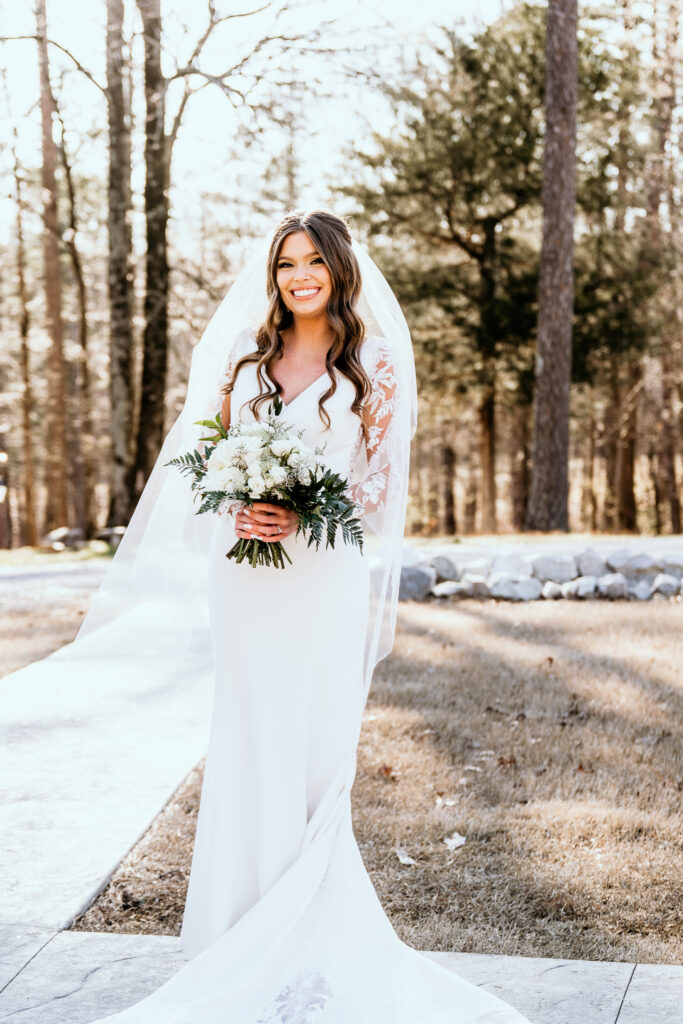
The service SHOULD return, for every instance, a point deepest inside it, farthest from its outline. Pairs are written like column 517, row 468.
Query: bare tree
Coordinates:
column 81, row 438
column 548, row 499
column 29, row 531
column 155, row 352
column 120, row 273
column 663, row 106
column 57, row 510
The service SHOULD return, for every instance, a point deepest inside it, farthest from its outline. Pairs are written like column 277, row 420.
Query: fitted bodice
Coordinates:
column 343, row 452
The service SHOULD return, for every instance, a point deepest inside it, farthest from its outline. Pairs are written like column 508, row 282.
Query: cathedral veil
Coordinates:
column 152, row 602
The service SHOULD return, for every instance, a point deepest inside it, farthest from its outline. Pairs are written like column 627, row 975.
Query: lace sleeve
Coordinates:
column 370, row 492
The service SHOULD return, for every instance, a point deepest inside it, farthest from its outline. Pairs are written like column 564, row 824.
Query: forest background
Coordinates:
column 143, row 149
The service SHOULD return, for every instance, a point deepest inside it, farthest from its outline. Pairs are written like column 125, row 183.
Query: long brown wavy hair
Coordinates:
column 332, row 239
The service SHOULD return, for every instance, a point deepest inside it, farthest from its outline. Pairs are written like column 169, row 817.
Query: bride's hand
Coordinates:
column 265, row 521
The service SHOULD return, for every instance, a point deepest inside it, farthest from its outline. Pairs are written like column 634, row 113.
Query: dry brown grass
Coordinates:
column 549, row 734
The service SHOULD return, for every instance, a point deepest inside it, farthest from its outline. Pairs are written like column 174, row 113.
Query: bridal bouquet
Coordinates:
column 268, row 461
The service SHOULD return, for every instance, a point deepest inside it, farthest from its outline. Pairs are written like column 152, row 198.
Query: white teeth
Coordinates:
column 305, row 291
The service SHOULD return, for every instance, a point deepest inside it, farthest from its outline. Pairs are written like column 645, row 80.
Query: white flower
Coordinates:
column 252, row 443
column 278, row 474
column 256, row 486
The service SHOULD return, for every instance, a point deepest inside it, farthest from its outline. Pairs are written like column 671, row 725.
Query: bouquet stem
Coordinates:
column 259, row 552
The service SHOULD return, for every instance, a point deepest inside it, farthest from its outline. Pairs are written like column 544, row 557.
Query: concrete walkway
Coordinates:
column 88, row 756
column 87, row 764
column 78, row 977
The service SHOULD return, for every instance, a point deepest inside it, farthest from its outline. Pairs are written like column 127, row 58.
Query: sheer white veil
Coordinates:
column 152, row 603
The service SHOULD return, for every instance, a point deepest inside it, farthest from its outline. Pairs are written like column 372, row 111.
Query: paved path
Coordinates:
column 77, row 977
column 88, row 756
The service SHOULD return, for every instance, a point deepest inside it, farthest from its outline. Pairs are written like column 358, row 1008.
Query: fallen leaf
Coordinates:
column 455, row 841
column 403, row 856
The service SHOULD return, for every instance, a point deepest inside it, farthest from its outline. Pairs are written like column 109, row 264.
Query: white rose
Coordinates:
column 278, row 474
column 252, row 443
column 255, row 486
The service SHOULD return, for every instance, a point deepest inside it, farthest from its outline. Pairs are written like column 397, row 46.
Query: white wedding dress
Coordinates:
column 282, row 924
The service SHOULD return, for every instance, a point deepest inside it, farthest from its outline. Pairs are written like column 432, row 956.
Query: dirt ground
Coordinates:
column 548, row 735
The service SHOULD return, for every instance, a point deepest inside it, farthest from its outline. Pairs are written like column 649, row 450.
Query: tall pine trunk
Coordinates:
column 55, row 420
column 150, row 430
column 120, row 274
column 663, row 107
column 450, row 525
column 83, row 435
column 548, row 499
column 29, row 529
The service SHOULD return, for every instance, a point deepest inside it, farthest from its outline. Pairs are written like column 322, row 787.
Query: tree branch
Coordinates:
column 52, row 42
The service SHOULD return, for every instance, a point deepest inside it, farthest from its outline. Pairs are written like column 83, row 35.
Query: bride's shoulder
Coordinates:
column 373, row 348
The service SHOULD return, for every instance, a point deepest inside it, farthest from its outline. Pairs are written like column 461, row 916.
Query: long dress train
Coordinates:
column 282, row 924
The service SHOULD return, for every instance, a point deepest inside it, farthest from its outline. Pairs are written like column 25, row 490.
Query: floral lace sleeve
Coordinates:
column 370, row 492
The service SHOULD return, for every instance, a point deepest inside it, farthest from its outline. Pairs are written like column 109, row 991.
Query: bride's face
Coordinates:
column 302, row 278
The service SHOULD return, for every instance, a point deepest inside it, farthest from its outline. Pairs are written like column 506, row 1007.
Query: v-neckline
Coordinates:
column 308, row 387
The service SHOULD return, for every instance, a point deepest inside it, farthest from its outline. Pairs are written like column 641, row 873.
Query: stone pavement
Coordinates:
column 78, row 977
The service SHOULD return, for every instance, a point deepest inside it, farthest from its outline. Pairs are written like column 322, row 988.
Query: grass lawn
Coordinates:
column 549, row 736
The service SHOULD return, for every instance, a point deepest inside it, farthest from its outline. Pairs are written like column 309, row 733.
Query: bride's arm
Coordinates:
column 370, row 493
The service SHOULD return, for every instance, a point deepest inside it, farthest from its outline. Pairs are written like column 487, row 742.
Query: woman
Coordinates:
column 282, row 925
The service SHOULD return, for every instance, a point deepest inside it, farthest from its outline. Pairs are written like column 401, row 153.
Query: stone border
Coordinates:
column 534, row 572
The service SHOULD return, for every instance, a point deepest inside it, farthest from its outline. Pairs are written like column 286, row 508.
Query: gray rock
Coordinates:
column 590, row 563
column 63, row 537
column 551, row 590
column 512, row 564
column 558, row 568
column 672, row 563
column 416, row 582
column 475, row 566
column 665, row 584
column 640, row 589
column 582, row 587
column 639, row 564
column 445, row 588
column 463, row 588
column 445, row 568
column 480, row 587
column 612, row 584
column 511, row 587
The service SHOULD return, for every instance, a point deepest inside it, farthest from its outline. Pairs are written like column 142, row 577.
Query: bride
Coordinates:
column 282, row 924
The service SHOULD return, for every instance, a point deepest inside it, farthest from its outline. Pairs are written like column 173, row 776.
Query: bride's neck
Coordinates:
column 304, row 335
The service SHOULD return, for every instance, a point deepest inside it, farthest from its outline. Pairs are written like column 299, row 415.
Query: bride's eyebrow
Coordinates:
column 290, row 258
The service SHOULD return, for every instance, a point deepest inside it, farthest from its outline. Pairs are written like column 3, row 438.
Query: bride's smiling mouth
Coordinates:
column 304, row 293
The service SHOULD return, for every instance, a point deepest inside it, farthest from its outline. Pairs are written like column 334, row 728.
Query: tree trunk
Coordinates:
column 610, row 450
column 589, row 503
column 487, row 459
column 656, row 490
column 450, row 524
column 548, row 500
column 519, row 464
column 471, row 487
column 626, row 512
column 5, row 518
column 82, row 420
column 663, row 107
column 55, row 420
column 155, row 354
column 120, row 272
column 29, row 530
